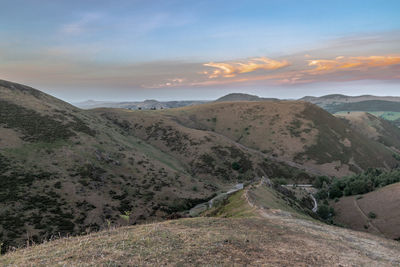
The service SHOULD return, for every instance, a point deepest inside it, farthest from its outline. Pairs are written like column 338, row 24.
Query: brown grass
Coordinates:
column 214, row 241
column 383, row 202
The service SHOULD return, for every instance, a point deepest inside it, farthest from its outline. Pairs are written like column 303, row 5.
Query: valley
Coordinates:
column 92, row 173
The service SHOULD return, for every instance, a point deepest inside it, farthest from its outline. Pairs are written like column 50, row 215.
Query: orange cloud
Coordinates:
column 231, row 69
column 340, row 63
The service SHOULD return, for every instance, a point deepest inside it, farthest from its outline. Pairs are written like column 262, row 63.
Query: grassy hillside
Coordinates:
column 384, row 107
column 243, row 234
column 376, row 212
column 68, row 171
column 289, row 132
column 367, row 106
column 65, row 171
column 374, row 128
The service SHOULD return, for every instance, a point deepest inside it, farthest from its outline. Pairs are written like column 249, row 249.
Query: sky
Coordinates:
column 133, row 50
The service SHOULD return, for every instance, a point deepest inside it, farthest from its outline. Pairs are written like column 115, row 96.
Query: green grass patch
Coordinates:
column 235, row 206
column 155, row 153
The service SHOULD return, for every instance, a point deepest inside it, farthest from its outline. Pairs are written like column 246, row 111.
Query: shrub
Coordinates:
column 320, row 180
column 236, row 166
column 324, row 212
column 280, row 181
column 372, row 215
column 322, row 194
column 57, row 185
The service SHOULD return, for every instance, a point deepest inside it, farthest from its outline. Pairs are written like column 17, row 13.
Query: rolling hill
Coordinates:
column 288, row 131
column 386, row 107
column 337, row 99
column 154, row 104
column 70, row 171
column 243, row 97
column 147, row 104
column 67, row 171
column 374, row 128
column 375, row 212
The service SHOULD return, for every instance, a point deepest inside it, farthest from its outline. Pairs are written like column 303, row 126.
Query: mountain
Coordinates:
column 154, row 104
column 386, row 107
column 336, row 99
column 147, row 104
column 242, row 97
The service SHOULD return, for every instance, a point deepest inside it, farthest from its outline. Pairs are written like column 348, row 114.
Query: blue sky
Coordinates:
column 118, row 50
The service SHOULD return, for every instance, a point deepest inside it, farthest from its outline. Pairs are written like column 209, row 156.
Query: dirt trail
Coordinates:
column 366, row 218
column 364, row 243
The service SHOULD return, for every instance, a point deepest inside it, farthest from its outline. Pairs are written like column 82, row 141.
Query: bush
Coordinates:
column 335, row 191
column 322, row 194
column 280, row 181
column 324, row 212
column 236, row 166
column 57, row 185
column 372, row 215
column 320, row 180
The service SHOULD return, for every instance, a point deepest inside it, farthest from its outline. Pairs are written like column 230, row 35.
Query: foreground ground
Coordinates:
column 252, row 235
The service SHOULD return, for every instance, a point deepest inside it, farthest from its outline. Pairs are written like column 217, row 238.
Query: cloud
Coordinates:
column 82, row 25
column 349, row 63
column 168, row 83
column 232, row 69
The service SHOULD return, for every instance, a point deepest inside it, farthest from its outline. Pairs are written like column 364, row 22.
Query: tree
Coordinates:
column 324, row 212
column 335, row 191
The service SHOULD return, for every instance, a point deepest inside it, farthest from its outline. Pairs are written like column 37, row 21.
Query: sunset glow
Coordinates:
column 137, row 49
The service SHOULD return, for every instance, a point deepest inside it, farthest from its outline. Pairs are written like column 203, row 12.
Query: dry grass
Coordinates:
column 383, row 202
column 258, row 237
column 212, row 241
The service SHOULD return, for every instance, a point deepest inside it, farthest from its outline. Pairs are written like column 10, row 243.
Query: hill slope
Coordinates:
column 249, row 234
column 354, row 211
column 374, row 128
column 288, row 131
column 69, row 171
